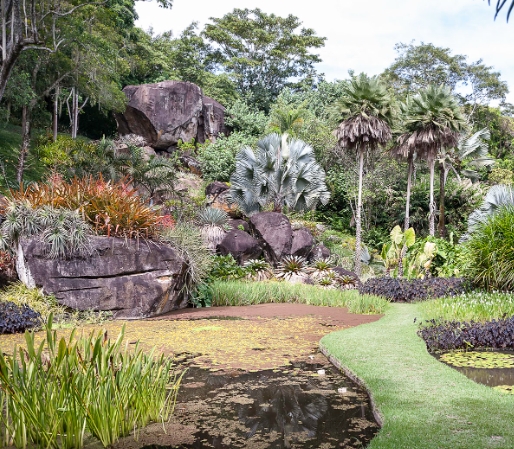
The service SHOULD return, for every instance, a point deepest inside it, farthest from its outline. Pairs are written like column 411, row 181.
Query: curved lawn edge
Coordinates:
column 420, row 403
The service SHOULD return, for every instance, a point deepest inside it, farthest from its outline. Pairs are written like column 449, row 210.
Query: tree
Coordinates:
column 418, row 66
column 367, row 109
column 433, row 123
column 281, row 172
column 474, row 148
column 403, row 150
column 264, row 53
column 500, row 4
column 36, row 25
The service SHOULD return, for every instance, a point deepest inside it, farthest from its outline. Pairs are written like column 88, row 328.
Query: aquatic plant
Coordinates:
column 52, row 394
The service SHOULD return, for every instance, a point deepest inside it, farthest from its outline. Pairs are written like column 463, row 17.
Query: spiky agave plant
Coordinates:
column 280, row 172
column 212, row 223
column 258, row 270
column 321, row 267
column 63, row 231
column 291, row 266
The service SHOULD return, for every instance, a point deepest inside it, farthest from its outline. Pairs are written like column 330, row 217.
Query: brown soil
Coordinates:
column 336, row 316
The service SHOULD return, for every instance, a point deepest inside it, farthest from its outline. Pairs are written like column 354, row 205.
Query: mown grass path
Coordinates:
column 423, row 403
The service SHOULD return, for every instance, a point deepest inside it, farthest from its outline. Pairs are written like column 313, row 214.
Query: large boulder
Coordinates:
column 131, row 279
column 240, row 245
column 303, row 241
column 273, row 229
column 169, row 111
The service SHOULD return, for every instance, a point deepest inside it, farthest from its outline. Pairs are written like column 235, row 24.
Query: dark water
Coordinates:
column 293, row 407
column 491, row 377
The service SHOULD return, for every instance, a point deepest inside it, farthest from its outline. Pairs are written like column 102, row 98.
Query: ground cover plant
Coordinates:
column 423, row 403
column 409, row 290
column 17, row 318
column 448, row 335
column 239, row 293
column 58, row 392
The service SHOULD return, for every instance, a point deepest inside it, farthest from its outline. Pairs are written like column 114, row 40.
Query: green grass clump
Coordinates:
column 474, row 306
column 34, row 298
column 423, row 403
column 58, row 393
column 240, row 293
column 489, row 252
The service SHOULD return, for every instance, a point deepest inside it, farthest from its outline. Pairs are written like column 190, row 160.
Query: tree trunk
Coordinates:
column 409, row 185
column 74, row 114
column 55, row 122
column 358, row 223
column 441, row 227
column 431, row 205
column 25, row 141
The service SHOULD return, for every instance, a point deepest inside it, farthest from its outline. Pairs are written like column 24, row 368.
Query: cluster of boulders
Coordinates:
column 271, row 235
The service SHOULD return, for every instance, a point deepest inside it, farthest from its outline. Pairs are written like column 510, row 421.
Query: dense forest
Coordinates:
column 64, row 66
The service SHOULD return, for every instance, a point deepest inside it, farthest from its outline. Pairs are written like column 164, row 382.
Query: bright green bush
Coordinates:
column 489, row 253
column 218, row 159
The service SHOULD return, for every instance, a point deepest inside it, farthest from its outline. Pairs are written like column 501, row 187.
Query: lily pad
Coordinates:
column 479, row 359
column 507, row 389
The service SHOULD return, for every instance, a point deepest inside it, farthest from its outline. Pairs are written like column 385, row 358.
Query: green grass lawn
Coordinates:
column 423, row 403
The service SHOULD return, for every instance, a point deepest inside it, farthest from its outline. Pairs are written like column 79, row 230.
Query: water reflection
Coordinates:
column 287, row 408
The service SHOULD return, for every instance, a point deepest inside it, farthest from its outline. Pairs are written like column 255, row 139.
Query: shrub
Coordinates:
column 218, row 159
column 111, row 208
column 489, row 252
column 34, row 298
column 17, row 318
column 291, row 266
column 186, row 239
column 405, row 290
column 54, row 391
column 448, row 335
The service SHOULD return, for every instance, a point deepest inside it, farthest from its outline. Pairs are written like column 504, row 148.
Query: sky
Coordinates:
column 361, row 35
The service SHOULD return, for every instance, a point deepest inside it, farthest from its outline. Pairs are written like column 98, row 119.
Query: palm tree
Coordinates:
column 471, row 147
column 403, row 150
column 281, row 172
column 500, row 4
column 434, row 121
column 367, row 109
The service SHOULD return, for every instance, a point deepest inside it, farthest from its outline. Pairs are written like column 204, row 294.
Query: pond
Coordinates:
column 492, row 368
column 304, row 405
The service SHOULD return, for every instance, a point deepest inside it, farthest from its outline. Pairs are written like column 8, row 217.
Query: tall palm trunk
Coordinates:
column 409, row 186
column 358, row 221
column 431, row 206
column 441, row 227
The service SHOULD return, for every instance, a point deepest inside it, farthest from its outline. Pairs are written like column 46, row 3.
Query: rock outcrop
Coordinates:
column 133, row 280
column 241, row 245
column 273, row 229
column 169, row 111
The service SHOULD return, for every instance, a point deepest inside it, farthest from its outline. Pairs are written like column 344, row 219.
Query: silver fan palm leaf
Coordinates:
column 280, row 172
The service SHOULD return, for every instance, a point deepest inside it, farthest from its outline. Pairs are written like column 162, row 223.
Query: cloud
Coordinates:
column 361, row 35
